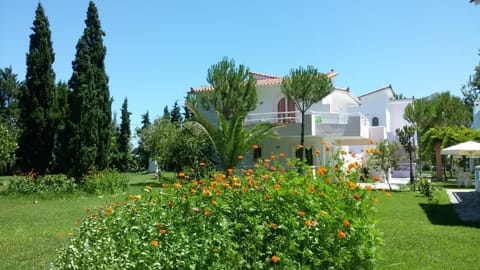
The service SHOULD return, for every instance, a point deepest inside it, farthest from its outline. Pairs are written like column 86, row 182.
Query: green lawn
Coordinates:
column 417, row 235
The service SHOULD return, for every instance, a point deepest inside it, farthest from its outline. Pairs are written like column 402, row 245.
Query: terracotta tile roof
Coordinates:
column 262, row 80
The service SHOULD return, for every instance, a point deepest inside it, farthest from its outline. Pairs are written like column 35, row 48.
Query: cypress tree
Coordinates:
column 37, row 100
column 60, row 149
column 176, row 115
column 91, row 112
column 143, row 154
column 124, row 137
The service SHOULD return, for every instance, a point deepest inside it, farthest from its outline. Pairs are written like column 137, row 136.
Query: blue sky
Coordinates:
column 157, row 50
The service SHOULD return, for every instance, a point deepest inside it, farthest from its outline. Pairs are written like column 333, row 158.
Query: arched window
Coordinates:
column 375, row 122
column 286, row 110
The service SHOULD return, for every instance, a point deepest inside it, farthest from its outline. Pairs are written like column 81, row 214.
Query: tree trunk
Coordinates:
column 302, row 137
column 412, row 181
column 438, row 160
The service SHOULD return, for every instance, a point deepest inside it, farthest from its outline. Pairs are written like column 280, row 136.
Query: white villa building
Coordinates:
column 341, row 119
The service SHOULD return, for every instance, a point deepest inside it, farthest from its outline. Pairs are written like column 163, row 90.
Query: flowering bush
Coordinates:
column 32, row 183
column 267, row 217
column 106, row 181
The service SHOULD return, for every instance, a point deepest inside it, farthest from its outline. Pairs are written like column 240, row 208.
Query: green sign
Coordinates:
column 318, row 119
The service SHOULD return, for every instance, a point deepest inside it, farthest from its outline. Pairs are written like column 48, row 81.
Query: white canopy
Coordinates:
column 469, row 148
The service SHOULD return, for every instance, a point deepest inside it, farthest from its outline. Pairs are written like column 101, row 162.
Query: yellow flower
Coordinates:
column 154, row 243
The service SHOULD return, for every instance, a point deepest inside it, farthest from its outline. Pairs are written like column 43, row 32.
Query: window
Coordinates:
column 286, row 110
column 375, row 122
column 257, row 153
column 308, row 155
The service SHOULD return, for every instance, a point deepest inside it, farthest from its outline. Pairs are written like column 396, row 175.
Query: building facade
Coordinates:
column 340, row 120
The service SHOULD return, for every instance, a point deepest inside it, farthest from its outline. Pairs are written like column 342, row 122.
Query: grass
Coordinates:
column 417, row 235
column 32, row 232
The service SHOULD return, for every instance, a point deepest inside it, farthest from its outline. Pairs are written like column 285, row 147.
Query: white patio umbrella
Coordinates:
column 470, row 148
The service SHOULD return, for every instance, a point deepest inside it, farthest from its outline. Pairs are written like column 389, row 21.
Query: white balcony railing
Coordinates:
column 321, row 123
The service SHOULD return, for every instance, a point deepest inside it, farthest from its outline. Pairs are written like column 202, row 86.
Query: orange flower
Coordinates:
column 163, row 231
column 376, row 178
column 301, row 213
column 214, row 184
column 154, row 243
column 240, row 157
column 312, row 188
column 276, row 187
column 214, row 202
column 371, row 141
column 346, row 222
column 255, row 146
column 324, row 142
column 369, row 188
column 356, row 197
column 171, row 204
column 274, row 225
column 321, row 170
column 321, row 194
column 275, row 259
column 281, row 155
column 181, row 174
column 206, row 212
column 317, row 152
column 327, row 149
column 201, row 164
column 341, row 234
column 299, row 146
column 308, row 223
column 328, row 180
column 351, row 184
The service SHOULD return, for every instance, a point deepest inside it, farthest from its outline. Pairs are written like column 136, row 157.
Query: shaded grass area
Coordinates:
column 419, row 235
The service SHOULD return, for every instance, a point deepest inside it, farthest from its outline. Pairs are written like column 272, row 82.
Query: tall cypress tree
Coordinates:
column 60, row 148
column 143, row 154
column 37, row 100
column 176, row 115
column 124, row 137
column 90, row 102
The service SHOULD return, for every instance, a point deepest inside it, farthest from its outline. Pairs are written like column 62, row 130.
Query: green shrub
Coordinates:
column 265, row 218
column 32, row 183
column 106, row 181
column 426, row 188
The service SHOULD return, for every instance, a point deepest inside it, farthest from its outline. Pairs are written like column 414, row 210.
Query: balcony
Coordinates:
column 346, row 128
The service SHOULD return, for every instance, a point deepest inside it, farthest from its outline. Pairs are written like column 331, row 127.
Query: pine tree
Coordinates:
column 9, row 87
column 91, row 112
column 124, row 137
column 37, row 100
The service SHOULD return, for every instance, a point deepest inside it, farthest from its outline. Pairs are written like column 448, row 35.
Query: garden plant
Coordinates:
column 270, row 216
